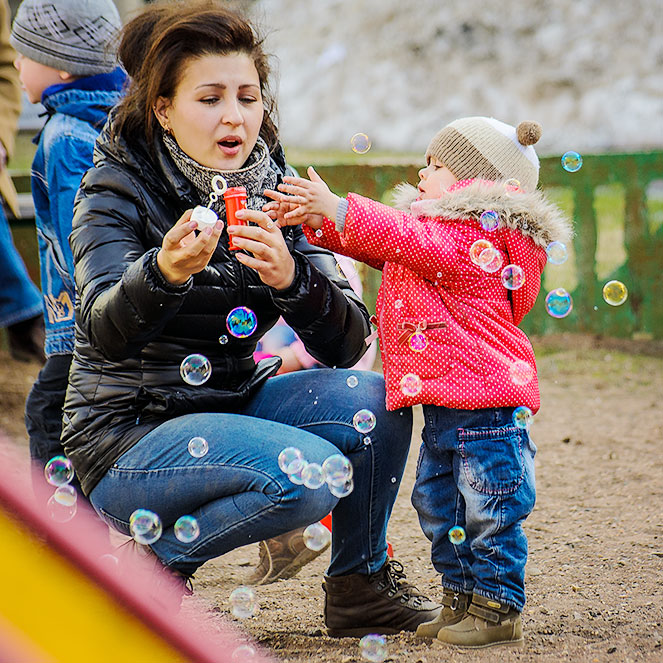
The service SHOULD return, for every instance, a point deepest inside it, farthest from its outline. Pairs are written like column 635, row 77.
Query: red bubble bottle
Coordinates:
column 235, row 199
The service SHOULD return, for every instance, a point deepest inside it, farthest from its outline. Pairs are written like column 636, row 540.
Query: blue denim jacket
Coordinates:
column 76, row 113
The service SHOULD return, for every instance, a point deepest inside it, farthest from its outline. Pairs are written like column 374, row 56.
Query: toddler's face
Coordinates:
column 36, row 77
column 435, row 179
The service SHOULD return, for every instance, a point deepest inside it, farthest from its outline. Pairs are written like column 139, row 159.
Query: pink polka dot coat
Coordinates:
column 447, row 326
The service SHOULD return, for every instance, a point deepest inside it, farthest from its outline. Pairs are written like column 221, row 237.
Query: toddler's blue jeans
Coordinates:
column 237, row 492
column 476, row 471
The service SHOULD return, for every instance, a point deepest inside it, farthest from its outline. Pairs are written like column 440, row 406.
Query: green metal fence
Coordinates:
column 616, row 201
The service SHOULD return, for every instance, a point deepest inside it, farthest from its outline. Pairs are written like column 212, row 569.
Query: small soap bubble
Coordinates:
column 364, row 421
column 243, row 602
column 367, row 440
column 65, row 495
column 195, row 369
column 615, row 293
column 312, row 476
column 223, row 339
column 411, row 384
column 60, row 513
column 59, row 471
column 490, row 260
column 398, row 303
column 522, row 417
column 343, row 490
column 521, row 372
column 186, row 529
column 243, row 653
column 512, row 186
column 198, row 447
column 352, row 381
column 417, row 342
column 489, row 220
column 557, row 253
column 316, row 537
column 457, row 535
column 241, row 322
column 513, row 277
column 476, row 249
column 571, row 161
column 297, row 477
column 145, row 526
column 559, row 303
column 291, row 460
column 360, row 143
column 318, row 232
column 337, row 469
column 373, row 648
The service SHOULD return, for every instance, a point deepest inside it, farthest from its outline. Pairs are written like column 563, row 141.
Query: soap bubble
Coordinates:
column 521, row 372
column 512, row 186
column 186, row 529
column 312, row 476
column 373, row 647
column 241, row 322
column 316, row 537
column 489, row 220
column 364, row 421
column 60, row 513
column 59, row 471
column 243, row 653
column 195, row 369
column 615, row 293
column 198, row 447
column 513, row 277
column 411, row 384
column 352, row 381
column 522, row 417
column 337, row 469
column 145, row 526
column 65, row 495
column 360, row 143
column 557, row 253
column 476, row 249
column 297, row 477
column 291, row 460
column 417, row 342
column 344, row 489
column 243, row 602
column 457, row 535
column 489, row 260
column 559, row 303
column 223, row 339
column 398, row 303
column 571, row 161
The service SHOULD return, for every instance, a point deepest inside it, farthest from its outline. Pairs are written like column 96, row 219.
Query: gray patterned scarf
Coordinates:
column 257, row 175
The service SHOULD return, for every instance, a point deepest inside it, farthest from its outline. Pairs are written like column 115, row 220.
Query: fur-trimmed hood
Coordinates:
column 528, row 212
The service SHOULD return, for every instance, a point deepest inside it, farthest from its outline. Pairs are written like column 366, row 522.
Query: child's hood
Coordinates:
column 530, row 213
column 527, row 213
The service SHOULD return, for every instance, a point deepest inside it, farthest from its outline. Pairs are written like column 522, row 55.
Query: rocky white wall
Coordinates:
column 590, row 71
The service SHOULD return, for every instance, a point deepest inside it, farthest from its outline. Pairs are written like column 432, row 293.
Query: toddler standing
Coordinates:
column 461, row 266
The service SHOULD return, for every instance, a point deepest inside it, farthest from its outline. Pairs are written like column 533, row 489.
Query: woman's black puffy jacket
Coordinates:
column 133, row 329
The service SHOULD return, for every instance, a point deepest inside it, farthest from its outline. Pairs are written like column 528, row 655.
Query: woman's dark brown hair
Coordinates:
column 158, row 43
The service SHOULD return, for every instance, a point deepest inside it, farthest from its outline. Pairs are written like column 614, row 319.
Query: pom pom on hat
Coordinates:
column 528, row 133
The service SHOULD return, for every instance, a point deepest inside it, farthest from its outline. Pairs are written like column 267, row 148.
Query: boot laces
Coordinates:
column 397, row 586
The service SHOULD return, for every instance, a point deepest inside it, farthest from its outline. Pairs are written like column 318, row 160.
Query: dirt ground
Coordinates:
column 595, row 571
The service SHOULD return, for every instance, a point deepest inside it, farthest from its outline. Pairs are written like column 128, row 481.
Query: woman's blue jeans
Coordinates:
column 476, row 471
column 238, row 493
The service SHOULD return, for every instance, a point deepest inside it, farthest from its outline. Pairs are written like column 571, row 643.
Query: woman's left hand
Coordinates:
column 270, row 256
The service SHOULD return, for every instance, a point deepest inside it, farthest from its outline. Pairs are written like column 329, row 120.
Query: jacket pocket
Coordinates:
column 492, row 458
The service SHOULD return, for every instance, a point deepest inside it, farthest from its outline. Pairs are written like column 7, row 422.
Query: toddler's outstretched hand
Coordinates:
column 308, row 199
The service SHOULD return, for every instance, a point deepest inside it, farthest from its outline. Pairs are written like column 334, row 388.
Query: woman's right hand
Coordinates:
column 184, row 253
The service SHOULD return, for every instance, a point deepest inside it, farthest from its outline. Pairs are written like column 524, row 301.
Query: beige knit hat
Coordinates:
column 483, row 147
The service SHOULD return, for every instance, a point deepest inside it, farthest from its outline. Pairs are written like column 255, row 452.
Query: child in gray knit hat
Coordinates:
column 461, row 261
column 66, row 60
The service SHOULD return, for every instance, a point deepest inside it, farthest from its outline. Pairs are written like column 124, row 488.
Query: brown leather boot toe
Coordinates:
column 383, row 602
